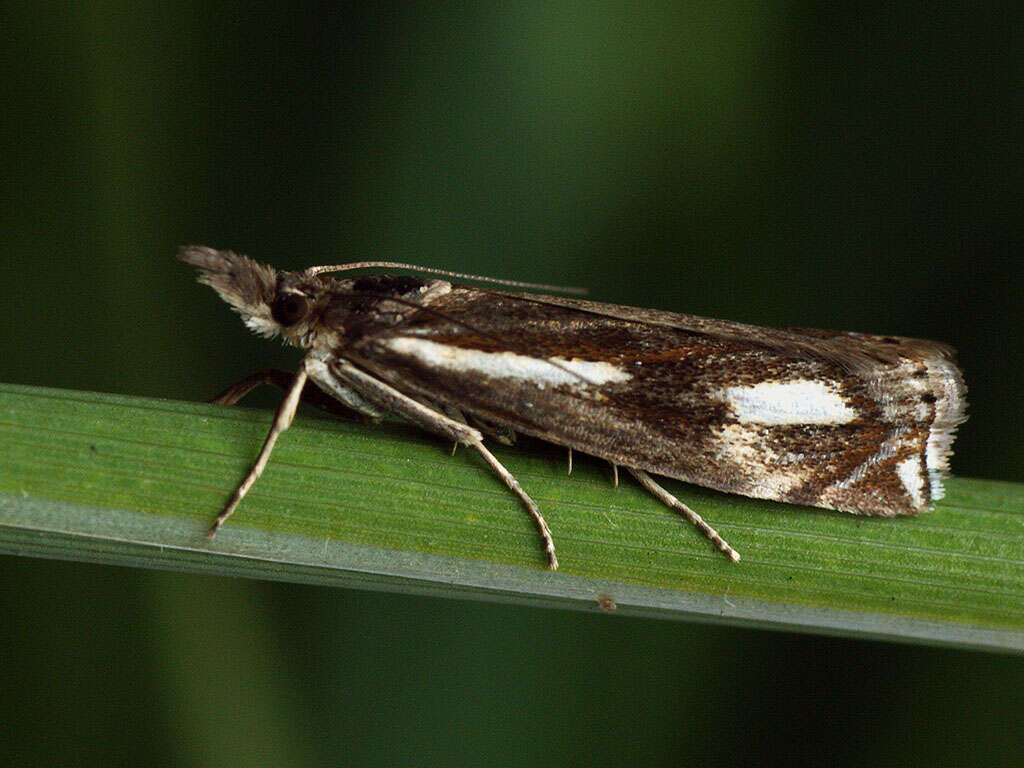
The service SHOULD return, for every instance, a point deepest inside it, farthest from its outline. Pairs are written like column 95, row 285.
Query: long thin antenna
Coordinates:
column 313, row 271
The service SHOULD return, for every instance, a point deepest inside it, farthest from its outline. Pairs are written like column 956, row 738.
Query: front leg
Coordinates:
column 283, row 420
column 345, row 403
column 331, row 372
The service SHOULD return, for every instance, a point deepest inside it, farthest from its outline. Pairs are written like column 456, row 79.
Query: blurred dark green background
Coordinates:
column 778, row 163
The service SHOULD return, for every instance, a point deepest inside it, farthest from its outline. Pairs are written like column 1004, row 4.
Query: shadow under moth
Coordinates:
column 840, row 420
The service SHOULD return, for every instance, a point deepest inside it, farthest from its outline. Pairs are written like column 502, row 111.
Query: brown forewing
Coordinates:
column 668, row 418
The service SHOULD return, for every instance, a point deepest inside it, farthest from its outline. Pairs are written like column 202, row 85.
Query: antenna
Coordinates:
column 314, row 271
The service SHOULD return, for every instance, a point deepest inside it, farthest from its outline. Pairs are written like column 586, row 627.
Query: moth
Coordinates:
column 839, row 420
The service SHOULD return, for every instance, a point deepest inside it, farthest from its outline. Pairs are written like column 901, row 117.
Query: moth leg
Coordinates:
column 283, row 420
column 238, row 390
column 615, row 474
column 385, row 396
column 569, row 471
column 283, row 380
column 647, row 482
column 531, row 505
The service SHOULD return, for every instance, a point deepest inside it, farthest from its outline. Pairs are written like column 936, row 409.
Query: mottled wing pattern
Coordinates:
column 838, row 420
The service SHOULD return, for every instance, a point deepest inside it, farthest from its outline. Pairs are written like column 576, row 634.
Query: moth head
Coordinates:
column 268, row 302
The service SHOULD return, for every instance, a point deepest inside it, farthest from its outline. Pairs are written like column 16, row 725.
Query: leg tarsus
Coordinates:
column 386, row 397
column 283, row 420
column 531, row 505
column 664, row 496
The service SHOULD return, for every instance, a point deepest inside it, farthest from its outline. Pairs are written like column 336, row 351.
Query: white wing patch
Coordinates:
column 909, row 471
column 792, row 402
column 745, row 446
column 543, row 372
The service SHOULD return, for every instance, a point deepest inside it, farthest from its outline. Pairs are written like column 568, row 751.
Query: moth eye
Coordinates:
column 290, row 308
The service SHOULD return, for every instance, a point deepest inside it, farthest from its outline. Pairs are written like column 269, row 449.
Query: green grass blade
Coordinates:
column 136, row 481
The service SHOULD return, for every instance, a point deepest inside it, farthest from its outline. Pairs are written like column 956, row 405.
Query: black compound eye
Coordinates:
column 290, row 308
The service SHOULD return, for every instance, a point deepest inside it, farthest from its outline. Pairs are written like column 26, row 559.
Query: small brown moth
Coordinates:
column 839, row 420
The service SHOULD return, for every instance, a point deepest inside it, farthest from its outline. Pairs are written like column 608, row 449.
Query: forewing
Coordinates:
column 844, row 421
